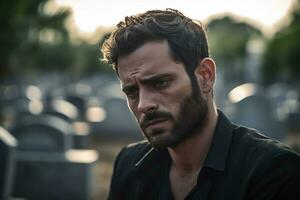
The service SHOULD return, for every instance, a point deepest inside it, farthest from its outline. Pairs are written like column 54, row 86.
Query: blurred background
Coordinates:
column 63, row 117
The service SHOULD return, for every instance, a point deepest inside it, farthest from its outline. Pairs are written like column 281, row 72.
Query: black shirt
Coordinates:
column 241, row 164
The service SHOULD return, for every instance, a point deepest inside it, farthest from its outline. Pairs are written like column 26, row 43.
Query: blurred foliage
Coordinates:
column 281, row 60
column 22, row 23
column 228, row 40
column 33, row 40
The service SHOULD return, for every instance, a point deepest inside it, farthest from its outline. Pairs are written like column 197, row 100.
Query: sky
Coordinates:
column 90, row 14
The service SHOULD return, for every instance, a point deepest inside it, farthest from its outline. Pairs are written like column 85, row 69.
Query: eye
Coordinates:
column 132, row 93
column 160, row 84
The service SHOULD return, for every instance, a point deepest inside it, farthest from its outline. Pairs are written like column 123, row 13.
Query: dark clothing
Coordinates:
column 241, row 164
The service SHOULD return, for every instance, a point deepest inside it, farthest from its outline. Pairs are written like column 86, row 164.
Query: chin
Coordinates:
column 158, row 139
column 166, row 139
column 158, row 145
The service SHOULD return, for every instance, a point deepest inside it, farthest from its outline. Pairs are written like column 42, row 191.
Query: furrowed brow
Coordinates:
column 155, row 78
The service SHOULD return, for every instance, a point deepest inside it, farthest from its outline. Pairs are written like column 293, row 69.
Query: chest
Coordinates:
column 161, row 186
column 182, row 186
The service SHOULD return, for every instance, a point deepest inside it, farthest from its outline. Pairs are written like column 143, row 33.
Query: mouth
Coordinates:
column 154, row 122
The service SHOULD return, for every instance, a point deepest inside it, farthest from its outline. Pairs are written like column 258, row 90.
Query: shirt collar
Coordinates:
column 152, row 158
column 216, row 157
column 218, row 152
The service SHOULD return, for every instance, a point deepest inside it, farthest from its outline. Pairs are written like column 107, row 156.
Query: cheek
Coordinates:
column 171, row 103
column 175, row 106
column 173, row 97
column 133, row 108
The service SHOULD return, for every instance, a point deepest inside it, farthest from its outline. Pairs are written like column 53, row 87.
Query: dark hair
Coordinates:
column 186, row 37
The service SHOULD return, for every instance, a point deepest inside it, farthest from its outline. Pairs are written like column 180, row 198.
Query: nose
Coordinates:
column 146, row 102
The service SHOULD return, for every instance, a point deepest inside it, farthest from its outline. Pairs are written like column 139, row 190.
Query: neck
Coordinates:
column 188, row 156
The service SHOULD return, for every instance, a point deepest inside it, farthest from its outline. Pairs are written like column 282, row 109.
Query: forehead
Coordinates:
column 152, row 58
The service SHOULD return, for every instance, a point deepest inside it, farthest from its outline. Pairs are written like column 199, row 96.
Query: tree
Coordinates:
column 228, row 39
column 22, row 26
column 282, row 59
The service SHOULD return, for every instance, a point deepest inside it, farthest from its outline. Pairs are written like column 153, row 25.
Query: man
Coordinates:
column 192, row 150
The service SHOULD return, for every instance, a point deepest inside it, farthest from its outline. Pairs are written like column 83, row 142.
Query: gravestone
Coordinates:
column 255, row 111
column 278, row 95
column 78, row 101
column 55, row 175
column 119, row 122
column 293, row 130
column 61, row 108
column 43, row 133
column 46, row 165
column 68, row 112
column 293, row 122
column 7, row 163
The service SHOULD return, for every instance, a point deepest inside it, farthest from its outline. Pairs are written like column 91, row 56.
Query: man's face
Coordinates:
column 160, row 95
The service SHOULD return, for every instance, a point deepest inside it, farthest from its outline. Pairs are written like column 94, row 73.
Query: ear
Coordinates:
column 205, row 73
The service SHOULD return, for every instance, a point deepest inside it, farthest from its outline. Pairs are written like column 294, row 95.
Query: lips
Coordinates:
column 154, row 118
column 154, row 122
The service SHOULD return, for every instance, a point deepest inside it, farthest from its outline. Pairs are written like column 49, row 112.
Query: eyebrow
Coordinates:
column 154, row 78
column 147, row 80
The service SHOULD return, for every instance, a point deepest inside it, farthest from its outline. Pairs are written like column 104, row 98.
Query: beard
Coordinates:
column 189, row 121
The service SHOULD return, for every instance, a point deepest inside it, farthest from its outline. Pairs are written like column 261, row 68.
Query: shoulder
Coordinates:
column 123, row 177
column 254, row 143
column 267, row 162
column 260, row 153
column 128, row 157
